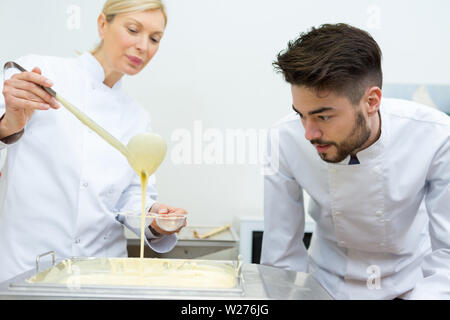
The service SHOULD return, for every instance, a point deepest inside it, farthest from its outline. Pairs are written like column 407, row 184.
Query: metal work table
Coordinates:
column 259, row 283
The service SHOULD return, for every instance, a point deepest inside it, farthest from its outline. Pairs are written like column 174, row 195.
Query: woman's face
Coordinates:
column 131, row 40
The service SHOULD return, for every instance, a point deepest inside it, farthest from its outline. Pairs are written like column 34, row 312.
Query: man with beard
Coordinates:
column 377, row 171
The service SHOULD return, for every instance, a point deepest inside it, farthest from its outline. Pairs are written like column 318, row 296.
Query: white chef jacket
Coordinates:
column 62, row 185
column 374, row 220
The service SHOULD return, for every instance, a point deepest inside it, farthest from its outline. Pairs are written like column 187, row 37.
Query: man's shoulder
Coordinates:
column 288, row 122
column 418, row 113
column 291, row 134
column 289, row 128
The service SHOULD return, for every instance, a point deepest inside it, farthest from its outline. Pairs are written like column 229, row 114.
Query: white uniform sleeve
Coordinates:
column 156, row 243
column 284, row 216
column 436, row 266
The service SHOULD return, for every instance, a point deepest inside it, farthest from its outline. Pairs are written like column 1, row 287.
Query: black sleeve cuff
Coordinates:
column 12, row 138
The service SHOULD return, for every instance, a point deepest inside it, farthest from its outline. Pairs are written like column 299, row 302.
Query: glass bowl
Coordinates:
column 133, row 219
column 169, row 221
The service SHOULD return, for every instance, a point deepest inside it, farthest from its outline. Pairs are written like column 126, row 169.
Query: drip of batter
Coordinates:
column 144, row 180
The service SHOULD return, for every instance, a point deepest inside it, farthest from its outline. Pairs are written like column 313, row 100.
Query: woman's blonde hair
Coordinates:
column 115, row 7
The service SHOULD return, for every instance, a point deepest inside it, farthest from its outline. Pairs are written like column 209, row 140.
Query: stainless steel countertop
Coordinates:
column 259, row 283
column 226, row 239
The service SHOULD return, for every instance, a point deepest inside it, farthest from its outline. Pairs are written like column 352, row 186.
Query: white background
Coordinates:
column 214, row 66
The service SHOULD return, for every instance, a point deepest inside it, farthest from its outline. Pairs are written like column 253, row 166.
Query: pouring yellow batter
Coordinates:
column 144, row 180
column 144, row 153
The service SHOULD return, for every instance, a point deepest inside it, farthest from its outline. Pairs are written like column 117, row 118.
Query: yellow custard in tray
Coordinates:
column 140, row 272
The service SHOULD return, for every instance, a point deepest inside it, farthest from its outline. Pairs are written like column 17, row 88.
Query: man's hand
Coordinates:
column 165, row 209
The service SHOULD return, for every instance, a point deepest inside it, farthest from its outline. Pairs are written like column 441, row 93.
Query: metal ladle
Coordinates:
column 144, row 151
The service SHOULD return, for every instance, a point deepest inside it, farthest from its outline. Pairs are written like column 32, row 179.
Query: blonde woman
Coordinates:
column 62, row 186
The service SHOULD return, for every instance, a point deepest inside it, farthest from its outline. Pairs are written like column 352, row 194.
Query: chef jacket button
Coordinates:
column 341, row 242
column 379, row 213
column 332, row 170
column 77, row 241
column 85, row 184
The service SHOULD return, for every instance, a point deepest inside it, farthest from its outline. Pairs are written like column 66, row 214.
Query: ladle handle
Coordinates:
column 12, row 64
column 77, row 113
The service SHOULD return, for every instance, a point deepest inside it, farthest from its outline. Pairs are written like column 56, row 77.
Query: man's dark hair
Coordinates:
column 333, row 57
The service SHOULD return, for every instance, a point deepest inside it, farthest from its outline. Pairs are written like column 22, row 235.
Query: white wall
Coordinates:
column 214, row 70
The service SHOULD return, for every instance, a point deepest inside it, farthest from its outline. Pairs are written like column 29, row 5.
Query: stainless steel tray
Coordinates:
column 63, row 278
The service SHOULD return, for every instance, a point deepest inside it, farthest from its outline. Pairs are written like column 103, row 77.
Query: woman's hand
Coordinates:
column 22, row 97
column 165, row 209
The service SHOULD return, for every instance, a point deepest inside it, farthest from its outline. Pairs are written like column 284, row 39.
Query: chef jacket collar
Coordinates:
column 95, row 70
column 376, row 149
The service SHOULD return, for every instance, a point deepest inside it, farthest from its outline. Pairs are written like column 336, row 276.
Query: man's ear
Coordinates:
column 101, row 24
column 373, row 100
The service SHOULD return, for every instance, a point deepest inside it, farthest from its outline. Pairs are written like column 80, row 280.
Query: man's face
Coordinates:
column 332, row 124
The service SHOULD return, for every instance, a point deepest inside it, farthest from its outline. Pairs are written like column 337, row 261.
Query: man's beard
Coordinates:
column 357, row 137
